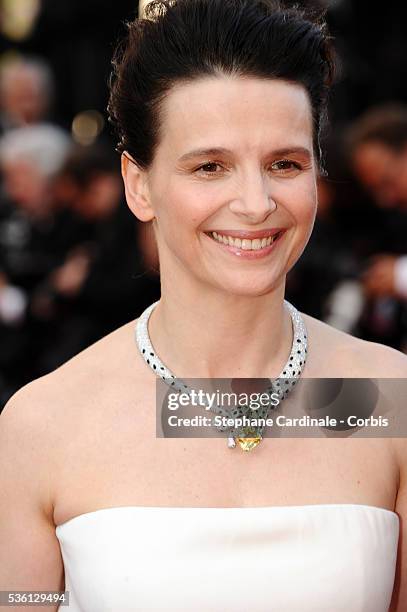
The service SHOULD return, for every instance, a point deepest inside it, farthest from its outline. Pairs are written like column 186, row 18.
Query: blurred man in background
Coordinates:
column 30, row 158
column 26, row 92
column 377, row 147
column 378, row 150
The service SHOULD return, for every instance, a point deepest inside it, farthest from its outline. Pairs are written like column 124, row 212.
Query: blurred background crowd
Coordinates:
column 75, row 263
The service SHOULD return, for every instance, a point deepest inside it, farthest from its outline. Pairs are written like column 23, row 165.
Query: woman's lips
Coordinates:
column 258, row 253
column 249, row 234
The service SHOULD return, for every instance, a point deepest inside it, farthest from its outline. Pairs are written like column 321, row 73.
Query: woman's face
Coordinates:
column 235, row 158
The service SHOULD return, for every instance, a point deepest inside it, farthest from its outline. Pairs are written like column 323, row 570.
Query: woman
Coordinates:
column 218, row 104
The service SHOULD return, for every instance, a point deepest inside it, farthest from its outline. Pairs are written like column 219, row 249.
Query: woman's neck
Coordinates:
column 212, row 334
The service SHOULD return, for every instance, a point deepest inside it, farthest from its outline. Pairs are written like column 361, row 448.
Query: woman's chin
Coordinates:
column 249, row 288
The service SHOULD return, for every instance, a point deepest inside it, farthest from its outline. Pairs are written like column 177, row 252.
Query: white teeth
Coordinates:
column 245, row 244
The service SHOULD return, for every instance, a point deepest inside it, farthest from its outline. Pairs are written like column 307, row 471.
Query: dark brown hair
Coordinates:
column 183, row 40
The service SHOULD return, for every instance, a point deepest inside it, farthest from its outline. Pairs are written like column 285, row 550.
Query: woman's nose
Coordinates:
column 255, row 202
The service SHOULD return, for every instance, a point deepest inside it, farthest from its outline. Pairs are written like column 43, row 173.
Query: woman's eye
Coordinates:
column 209, row 168
column 285, row 164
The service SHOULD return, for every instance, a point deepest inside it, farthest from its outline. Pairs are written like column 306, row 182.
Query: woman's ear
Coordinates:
column 136, row 189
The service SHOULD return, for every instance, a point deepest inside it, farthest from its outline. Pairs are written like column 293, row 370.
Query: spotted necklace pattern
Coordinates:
column 248, row 438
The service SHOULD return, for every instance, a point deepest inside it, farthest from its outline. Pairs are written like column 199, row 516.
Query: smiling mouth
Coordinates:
column 256, row 244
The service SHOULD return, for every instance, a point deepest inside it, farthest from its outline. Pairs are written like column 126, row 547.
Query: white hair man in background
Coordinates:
column 26, row 92
column 30, row 158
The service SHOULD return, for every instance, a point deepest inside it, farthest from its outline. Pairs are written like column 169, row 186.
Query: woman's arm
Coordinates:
column 30, row 557
column 399, row 600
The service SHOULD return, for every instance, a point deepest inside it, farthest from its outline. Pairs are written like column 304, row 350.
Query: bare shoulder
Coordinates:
column 45, row 412
column 333, row 353
column 84, row 373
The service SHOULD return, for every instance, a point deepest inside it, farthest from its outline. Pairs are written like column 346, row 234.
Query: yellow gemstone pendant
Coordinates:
column 248, row 444
column 250, row 441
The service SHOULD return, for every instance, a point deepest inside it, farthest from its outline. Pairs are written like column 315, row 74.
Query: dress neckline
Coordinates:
column 291, row 508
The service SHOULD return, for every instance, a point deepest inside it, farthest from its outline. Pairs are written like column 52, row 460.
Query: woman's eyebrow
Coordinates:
column 222, row 151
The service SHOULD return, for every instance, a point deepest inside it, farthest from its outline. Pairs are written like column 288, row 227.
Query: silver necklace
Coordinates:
column 247, row 438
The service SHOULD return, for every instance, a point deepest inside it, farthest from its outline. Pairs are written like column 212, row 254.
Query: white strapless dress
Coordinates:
column 314, row 558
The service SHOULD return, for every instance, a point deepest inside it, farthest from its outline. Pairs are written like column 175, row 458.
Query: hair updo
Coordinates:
column 182, row 40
